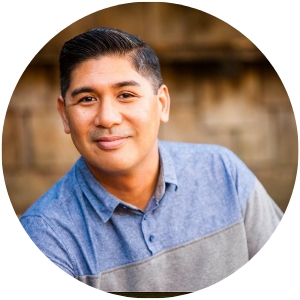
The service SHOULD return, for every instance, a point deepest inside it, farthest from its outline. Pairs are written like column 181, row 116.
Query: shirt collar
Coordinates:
column 105, row 203
column 167, row 164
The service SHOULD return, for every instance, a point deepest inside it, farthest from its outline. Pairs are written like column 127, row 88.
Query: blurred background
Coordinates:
column 223, row 91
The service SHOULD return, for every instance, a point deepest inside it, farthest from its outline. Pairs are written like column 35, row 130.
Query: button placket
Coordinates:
column 148, row 232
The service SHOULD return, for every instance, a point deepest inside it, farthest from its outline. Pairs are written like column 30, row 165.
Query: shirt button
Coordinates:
column 145, row 217
column 151, row 238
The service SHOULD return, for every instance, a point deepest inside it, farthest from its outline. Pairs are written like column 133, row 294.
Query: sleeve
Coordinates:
column 261, row 214
column 261, row 217
column 46, row 239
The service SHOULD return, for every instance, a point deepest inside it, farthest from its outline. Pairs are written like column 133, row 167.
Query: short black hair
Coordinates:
column 101, row 41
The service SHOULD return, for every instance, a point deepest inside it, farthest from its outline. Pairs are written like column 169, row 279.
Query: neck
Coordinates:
column 135, row 186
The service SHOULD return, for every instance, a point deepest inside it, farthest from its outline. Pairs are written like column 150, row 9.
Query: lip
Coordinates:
column 111, row 142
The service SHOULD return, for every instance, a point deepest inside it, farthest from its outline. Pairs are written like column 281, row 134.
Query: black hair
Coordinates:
column 101, row 41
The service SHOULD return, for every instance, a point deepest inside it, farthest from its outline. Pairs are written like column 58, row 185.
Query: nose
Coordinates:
column 108, row 114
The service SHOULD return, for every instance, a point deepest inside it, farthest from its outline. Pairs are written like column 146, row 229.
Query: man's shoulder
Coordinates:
column 206, row 158
column 186, row 149
column 55, row 199
column 212, row 166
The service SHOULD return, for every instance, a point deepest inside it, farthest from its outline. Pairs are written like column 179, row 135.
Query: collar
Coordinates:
column 105, row 203
column 167, row 165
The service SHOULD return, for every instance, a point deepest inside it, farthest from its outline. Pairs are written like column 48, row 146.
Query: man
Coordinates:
column 136, row 214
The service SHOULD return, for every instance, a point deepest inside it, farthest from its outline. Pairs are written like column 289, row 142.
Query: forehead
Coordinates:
column 104, row 71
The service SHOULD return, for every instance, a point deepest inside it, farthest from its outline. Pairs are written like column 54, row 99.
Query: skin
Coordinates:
column 109, row 100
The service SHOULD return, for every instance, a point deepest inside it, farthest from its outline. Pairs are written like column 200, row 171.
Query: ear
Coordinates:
column 63, row 114
column 164, row 99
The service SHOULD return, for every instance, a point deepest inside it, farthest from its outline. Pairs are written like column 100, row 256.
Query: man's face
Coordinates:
column 112, row 113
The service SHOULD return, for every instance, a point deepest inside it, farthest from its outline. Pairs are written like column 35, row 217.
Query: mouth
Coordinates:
column 111, row 142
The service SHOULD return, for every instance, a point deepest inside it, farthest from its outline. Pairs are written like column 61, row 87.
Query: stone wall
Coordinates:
column 223, row 91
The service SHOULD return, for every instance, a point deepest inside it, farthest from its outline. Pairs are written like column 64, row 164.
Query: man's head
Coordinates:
column 102, row 41
column 113, row 99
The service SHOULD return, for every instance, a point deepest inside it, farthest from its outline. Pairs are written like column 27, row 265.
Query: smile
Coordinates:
column 111, row 143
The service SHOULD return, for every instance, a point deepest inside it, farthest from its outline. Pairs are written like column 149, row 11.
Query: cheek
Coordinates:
column 145, row 120
column 80, row 121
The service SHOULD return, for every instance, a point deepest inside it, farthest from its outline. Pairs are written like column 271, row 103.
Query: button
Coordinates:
column 151, row 238
column 124, row 207
column 145, row 217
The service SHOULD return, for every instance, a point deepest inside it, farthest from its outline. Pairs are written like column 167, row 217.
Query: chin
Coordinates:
column 111, row 164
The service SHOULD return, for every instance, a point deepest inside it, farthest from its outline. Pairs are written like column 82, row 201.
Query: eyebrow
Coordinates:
column 86, row 89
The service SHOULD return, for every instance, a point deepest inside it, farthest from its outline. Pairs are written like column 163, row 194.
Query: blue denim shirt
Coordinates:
column 196, row 216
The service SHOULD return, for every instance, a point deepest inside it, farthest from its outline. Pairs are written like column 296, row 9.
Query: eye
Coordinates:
column 87, row 99
column 125, row 96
